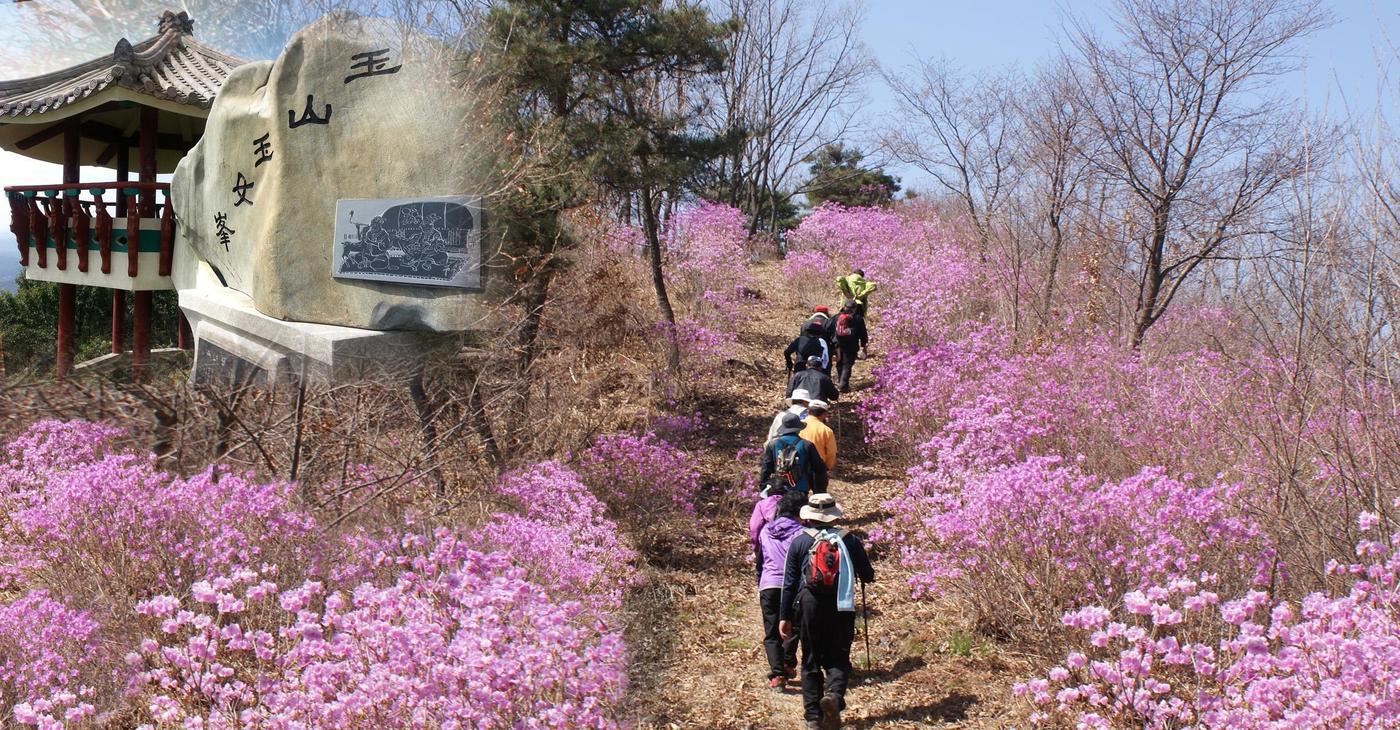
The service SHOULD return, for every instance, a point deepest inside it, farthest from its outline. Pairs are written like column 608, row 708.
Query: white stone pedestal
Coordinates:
column 235, row 345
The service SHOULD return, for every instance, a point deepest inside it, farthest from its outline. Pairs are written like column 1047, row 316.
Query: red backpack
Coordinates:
column 844, row 325
column 824, row 561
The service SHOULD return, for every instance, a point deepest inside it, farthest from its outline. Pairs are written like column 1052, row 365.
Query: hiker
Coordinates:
column 765, row 510
column 796, row 404
column 792, row 460
column 771, row 555
column 851, row 338
column 813, row 380
column 856, row 287
column 811, row 342
column 814, row 429
column 823, row 564
column 821, row 314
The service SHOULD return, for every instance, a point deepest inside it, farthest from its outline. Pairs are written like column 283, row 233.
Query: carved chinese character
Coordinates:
column 241, row 189
column 224, row 233
column 372, row 63
column 308, row 115
column 262, row 148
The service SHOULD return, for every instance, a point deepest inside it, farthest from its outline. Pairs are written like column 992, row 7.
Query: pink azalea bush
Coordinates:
column 1180, row 655
column 117, row 526
column 978, row 418
column 703, row 348
column 214, row 601
column 676, row 427
column 709, row 243
column 48, row 658
column 460, row 638
column 1047, row 531
column 641, row 477
column 706, row 254
column 927, row 281
column 561, row 535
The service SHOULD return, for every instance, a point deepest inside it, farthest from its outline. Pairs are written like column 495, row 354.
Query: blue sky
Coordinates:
column 1341, row 74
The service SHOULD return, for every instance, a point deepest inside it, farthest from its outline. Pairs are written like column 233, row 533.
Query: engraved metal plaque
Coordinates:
column 423, row 241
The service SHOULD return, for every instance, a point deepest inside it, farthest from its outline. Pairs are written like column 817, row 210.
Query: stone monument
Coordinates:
column 328, row 216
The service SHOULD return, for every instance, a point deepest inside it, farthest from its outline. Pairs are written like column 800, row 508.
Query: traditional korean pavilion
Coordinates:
column 144, row 103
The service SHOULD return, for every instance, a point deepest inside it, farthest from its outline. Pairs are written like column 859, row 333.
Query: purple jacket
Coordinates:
column 762, row 514
column 773, row 545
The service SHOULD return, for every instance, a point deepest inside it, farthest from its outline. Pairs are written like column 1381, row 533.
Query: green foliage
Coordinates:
column 960, row 643
column 838, row 176
column 596, row 98
column 592, row 87
column 29, row 324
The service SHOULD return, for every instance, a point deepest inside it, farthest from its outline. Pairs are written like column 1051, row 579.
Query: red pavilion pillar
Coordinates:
column 141, row 300
column 67, row 293
column 118, row 295
column 118, row 320
column 140, row 332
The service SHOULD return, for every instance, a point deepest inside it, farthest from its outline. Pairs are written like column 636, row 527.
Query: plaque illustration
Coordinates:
column 424, row 241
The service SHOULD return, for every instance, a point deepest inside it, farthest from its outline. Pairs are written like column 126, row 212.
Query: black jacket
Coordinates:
column 828, row 325
column 811, row 461
column 815, row 382
column 859, row 336
column 795, row 572
column 804, row 347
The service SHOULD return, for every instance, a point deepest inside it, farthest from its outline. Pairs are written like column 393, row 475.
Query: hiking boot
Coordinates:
column 831, row 712
column 814, row 725
column 777, row 683
column 790, row 671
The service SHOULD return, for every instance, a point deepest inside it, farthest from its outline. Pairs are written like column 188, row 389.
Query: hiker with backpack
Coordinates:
column 857, row 288
column 818, row 597
column 811, row 342
column 814, row 429
column 821, row 315
column 792, row 461
column 851, row 338
column 813, row 380
column 770, row 551
column 796, row 405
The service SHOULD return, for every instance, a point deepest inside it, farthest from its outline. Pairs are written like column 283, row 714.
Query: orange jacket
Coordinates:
column 822, row 437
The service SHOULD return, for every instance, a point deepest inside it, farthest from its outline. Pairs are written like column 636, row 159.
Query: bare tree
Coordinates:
column 1189, row 129
column 793, row 84
column 958, row 130
column 1056, row 162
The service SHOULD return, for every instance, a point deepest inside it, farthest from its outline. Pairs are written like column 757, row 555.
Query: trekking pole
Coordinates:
column 865, row 612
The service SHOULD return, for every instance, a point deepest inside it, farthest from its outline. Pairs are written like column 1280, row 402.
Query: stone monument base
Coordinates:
column 235, row 346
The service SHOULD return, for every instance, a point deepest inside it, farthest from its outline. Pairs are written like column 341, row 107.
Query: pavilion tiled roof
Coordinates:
column 172, row 66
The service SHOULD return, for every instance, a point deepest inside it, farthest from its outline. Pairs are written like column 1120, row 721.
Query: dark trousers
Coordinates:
column 849, row 350
column 781, row 652
column 826, row 635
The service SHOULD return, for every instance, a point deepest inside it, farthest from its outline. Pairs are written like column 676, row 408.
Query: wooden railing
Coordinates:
column 44, row 214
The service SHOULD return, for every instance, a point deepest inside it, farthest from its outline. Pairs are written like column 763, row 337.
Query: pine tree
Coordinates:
column 839, row 176
column 597, row 86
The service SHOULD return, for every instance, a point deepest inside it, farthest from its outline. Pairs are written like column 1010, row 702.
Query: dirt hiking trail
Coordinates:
column 696, row 633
